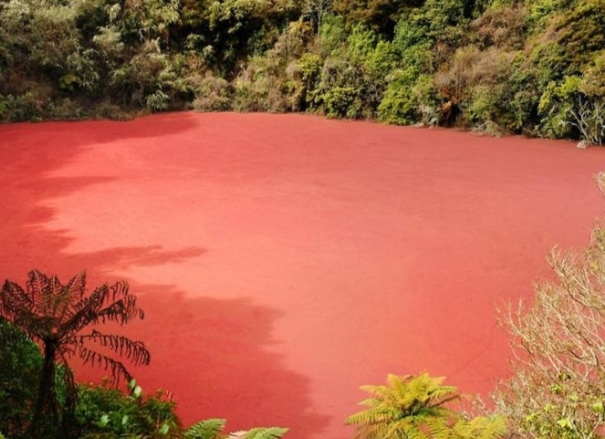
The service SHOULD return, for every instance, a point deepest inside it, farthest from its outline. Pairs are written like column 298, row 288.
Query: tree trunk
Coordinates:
column 45, row 416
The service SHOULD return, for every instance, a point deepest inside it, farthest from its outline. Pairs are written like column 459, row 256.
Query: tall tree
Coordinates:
column 61, row 319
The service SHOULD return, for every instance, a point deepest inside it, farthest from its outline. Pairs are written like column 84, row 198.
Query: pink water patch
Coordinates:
column 285, row 260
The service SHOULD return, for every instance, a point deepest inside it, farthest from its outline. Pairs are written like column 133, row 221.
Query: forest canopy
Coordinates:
column 500, row 66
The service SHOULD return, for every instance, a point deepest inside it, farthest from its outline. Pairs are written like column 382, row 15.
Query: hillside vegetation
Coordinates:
column 533, row 67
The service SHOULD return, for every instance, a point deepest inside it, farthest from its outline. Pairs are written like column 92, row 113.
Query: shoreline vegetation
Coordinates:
column 496, row 67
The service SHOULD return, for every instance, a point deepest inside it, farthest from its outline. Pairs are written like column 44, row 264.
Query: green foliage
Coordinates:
column 260, row 87
column 410, row 99
column 260, row 433
column 570, row 42
column 212, row 94
column 484, row 87
column 232, row 30
column 332, row 34
column 377, row 66
column 208, row 429
column 274, row 82
column 593, row 81
column 213, row 429
column 480, row 427
column 379, row 15
column 410, row 95
column 106, row 413
column 573, row 108
column 500, row 25
column 444, row 21
column 308, row 70
column 342, row 102
column 157, row 101
column 20, row 364
column 353, row 78
column 559, row 416
column 497, row 66
column 25, row 107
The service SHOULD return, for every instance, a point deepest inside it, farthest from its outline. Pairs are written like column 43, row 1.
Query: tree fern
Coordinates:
column 55, row 316
column 408, row 407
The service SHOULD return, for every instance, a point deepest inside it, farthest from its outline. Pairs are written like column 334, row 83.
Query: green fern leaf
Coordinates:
column 482, row 428
column 208, row 429
column 260, row 433
column 267, row 433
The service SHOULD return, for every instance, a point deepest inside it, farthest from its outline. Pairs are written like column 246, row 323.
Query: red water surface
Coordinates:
column 285, row 260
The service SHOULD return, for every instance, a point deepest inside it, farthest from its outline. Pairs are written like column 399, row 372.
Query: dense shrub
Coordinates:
column 104, row 412
column 20, row 363
column 212, row 94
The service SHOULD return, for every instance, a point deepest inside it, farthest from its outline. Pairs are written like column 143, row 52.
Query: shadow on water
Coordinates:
column 29, row 153
column 217, row 356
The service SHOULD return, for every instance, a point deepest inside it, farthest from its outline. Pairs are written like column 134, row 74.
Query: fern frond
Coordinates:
column 69, row 294
column 115, row 368
column 14, row 300
column 481, row 428
column 371, row 402
column 381, row 431
column 260, row 433
column 135, row 351
column 380, row 392
column 123, row 308
column 441, row 429
column 84, row 311
column 416, row 433
column 374, row 416
column 398, row 429
column 38, row 287
column 207, row 429
column 93, row 310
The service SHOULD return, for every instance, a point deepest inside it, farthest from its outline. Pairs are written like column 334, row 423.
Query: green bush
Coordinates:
column 20, row 363
column 410, row 99
column 259, row 86
column 27, row 107
column 212, row 94
column 308, row 69
column 343, row 102
column 107, row 413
